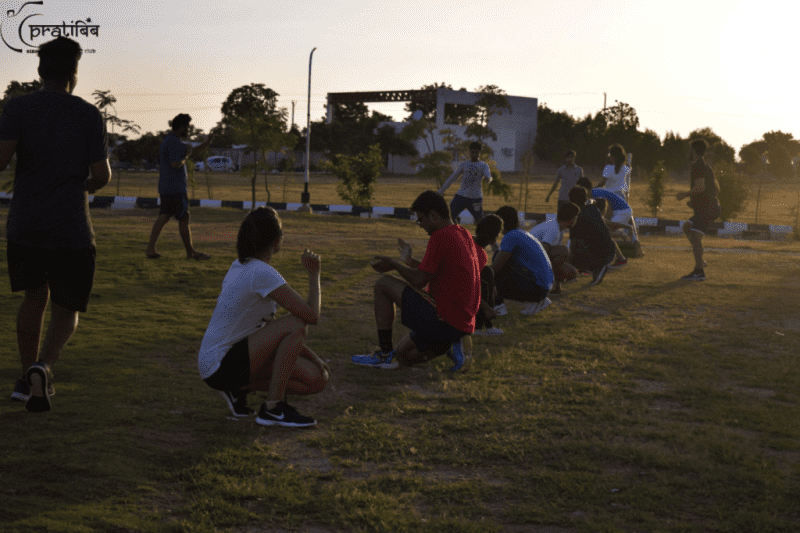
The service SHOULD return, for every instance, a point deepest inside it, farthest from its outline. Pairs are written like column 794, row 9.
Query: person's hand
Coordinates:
column 405, row 250
column 311, row 261
column 547, row 198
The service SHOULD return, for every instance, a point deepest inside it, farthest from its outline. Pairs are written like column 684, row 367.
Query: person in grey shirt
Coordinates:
column 568, row 175
column 61, row 146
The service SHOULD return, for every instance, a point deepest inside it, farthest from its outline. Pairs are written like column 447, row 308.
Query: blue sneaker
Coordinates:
column 461, row 361
column 378, row 359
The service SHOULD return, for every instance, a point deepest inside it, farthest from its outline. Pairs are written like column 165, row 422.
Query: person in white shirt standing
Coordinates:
column 550, row 234
column 617, row 174
column 470, row 195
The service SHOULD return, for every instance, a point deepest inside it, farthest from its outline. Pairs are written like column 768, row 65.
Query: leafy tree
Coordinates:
column 16, row 88
column 751, row 155
column 555, row 134
column 674, row 152
column 734, row 189
column 392, row 143
column 253, row 114
column 645, row 149
column 777, row 148
column 142, row 151
column 434, row 165
column 492, row 101
column 621, row 117
column 718, row 150
column 105, row 101
column 357, row 175
column 656, row 187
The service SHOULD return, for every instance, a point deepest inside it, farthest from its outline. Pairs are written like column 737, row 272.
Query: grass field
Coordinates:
column 777, row 203
column 643, row 404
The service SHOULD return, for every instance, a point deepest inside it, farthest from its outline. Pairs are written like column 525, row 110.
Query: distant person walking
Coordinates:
column 470, row 195
column 172, row 156
column 617, row 174
column 59, row 139
column 702, row 194
column 568, row 175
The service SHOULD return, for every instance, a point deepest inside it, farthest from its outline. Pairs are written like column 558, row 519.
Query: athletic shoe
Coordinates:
column 461, row 361
column 620, row 263
column 378, row 359
column 598, row 275
column 696, row 275
column 535, row 307
column 237, row 403
column 37, row 377
column 488, row 332
column 501, row 310
column 283, row 415
column 22, row 391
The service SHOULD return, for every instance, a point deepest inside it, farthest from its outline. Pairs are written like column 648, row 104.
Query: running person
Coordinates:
column 245, row 348
column 470, row 195
column 59, row 139
column 438, row 319
column 702, row 194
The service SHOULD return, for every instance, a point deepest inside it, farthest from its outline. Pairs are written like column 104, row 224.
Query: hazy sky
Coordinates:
column 729, row 65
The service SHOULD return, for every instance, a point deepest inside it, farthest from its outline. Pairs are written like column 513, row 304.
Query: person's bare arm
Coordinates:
column 415, row 277
column 698, row 188
column 306, row 310
column 100, row 176
column 500, row 260
column 7, row 149
column 406, row 253
column 553, row 188
column 450, row 180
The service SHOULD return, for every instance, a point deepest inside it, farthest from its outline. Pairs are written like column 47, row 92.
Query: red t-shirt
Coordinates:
column 453, row 259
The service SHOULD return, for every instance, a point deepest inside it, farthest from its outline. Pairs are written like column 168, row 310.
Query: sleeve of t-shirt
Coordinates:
column 98, row 146
column 9, row 125
column 487, row 172
column 509, row 242
column 175, row 151
column 434, row 255
column 546, row 233
column 608, row 171
column 265, row 280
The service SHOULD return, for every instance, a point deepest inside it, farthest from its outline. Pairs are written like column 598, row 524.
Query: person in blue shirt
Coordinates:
column 522, row 270
column 172, row 156
column 618, row 215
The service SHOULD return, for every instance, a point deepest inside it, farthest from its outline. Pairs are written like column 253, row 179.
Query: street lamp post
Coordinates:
column 305, row 196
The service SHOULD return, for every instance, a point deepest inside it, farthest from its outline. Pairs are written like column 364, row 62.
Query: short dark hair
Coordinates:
column 476, row 144
column 569, row 153
column 585, row 182
column 578, row 195
column 179, row 121
column 58, row 59
column 699, row 146
column 510, row 218
column 487, row 230
column 260, row 229
column 567, row 211
column 431, row 201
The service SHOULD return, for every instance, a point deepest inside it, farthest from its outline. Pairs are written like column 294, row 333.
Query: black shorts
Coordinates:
column 233, row 373
column 703, row 217
column 68, row 273
column 516, row 282
column 428, row 331
column 176, row 205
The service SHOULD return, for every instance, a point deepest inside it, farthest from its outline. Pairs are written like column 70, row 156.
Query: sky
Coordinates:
column 729, row 65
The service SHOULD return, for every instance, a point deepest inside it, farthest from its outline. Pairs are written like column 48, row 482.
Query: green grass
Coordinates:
column 644, row 404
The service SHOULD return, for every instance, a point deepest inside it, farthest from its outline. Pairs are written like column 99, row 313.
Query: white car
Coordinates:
column 217, row 163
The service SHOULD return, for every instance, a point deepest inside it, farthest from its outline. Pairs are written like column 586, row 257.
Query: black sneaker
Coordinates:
column 237, row 403
column 696, row 275
column 22, row 391
column 283, row 415
column 38, row 376
column 597, row 275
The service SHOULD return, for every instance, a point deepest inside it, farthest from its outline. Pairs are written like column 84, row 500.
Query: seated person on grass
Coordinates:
column 245, row 347
column 550, row 234
column 439, row 318
column 591, row 245
column 522, row 271
column 619, row 215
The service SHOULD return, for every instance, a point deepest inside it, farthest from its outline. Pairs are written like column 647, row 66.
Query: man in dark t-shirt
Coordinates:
column 172, row 156
column 591, row 245
column 702, row 194
column 440, row 317
column 59, row 139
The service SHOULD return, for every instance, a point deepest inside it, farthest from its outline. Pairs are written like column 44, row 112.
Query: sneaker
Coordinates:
column 283, row 415
column 501, row 310
column 462, row 361
column 488, row 332
column 620, row 263
column 535, row 307
column 598, row 275
column 237, row 403
column 37, row 377
column 377, row 359
column 22, row 391
column 696, row 275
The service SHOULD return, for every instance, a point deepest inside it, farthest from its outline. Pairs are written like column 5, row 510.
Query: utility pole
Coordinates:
column 604, row 101
column 305, row 197
column 293, row 103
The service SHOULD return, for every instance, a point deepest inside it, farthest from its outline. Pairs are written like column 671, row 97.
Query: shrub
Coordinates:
column 435, row 165
column 734, row 189
column 358, row 175
column 656, row 187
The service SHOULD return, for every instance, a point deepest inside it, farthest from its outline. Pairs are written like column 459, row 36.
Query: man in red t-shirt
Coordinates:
column 440, row 317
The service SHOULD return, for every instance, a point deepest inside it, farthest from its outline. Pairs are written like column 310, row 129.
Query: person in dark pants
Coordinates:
column 591, row 245
column 59, row 139
column 486, row 233
column 470, row 194
column 172, row 156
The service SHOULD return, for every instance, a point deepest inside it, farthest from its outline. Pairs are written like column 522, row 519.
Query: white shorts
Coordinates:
column 623, row 216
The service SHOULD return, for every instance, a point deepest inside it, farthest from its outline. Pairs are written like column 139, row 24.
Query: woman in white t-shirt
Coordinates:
column 245, row 348
column 616, row 175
